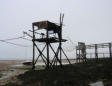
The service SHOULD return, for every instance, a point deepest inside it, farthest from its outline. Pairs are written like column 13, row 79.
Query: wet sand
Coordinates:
column 7, row 64
column 11, row 68
column 8, row 71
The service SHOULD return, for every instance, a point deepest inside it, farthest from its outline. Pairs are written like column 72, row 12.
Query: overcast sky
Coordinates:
column 88, row 21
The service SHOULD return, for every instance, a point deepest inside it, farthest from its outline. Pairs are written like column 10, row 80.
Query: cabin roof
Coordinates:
column 46, row 25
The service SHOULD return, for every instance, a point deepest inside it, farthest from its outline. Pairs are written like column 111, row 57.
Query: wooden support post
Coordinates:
column 96, row 51
column 60, row 45
column 110, row 51
column 79, row 56
column 33, row 60
column 47, row 43
column 76, row 56
column 85, row 58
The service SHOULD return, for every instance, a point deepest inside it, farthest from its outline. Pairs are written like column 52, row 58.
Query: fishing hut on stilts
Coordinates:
column 50, row 28
column 83, row 55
